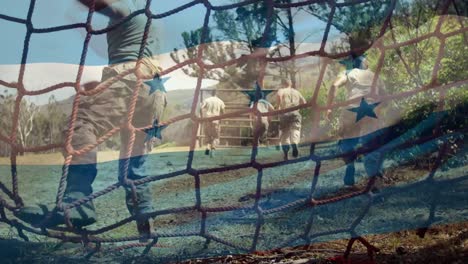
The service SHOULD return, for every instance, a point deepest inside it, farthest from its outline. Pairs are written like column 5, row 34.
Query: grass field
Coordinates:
column 403, row 203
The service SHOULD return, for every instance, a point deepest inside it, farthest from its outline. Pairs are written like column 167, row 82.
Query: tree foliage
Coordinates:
column 37, row 125
column 242, row 31
column 356, row 21
column 412, row 66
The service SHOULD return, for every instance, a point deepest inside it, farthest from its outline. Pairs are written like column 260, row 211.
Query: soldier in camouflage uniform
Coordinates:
column 108, row 109
column 290, row 122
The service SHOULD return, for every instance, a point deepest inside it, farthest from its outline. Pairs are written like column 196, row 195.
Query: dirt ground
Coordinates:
column 441, row 244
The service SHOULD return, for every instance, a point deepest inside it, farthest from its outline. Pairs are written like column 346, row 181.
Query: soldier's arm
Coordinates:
column 108, row 8
column 380, row 87
column 340, row 81
column 278, row 100
column 379, row 92
column 302, row 99
column 251, row 114
column 202, row 107
column 223, row 106
column 270, row 108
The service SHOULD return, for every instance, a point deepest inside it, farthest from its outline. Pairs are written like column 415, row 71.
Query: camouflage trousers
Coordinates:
column 352, row 132
column 262, row 130
column 355, row 134
column 212, row 132
column 290, row 126
column 97, row 114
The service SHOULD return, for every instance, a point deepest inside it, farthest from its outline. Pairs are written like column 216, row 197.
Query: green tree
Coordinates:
column 57, row 120
column 25, row 124
column 412, row 66
column 235, row 32
column 6, row 110
column 357, row 21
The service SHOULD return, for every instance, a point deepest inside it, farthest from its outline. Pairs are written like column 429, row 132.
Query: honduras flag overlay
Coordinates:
column 204, row 128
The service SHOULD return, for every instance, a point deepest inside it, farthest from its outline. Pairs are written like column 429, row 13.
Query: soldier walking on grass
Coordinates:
column 290, row 122
column 263, row 106
column 212, row 106
column 97, row 114
column 358, row 82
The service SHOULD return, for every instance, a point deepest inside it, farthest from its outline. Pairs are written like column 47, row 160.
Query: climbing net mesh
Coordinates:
column 70, row 233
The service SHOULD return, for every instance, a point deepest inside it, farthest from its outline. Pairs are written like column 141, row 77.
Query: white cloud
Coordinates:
column 42, row 75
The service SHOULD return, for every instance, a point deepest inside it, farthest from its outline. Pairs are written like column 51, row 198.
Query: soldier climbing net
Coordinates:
column 72, row 234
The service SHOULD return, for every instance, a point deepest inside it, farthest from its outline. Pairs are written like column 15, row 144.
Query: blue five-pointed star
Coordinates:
column 157, row 84
column 154, row 131
column 364, row 109
column 257, row 94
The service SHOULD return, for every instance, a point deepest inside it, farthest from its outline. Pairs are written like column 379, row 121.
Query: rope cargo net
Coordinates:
column 72, row 234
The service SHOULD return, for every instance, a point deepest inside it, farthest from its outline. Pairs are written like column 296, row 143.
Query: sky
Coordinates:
column 49, row 52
